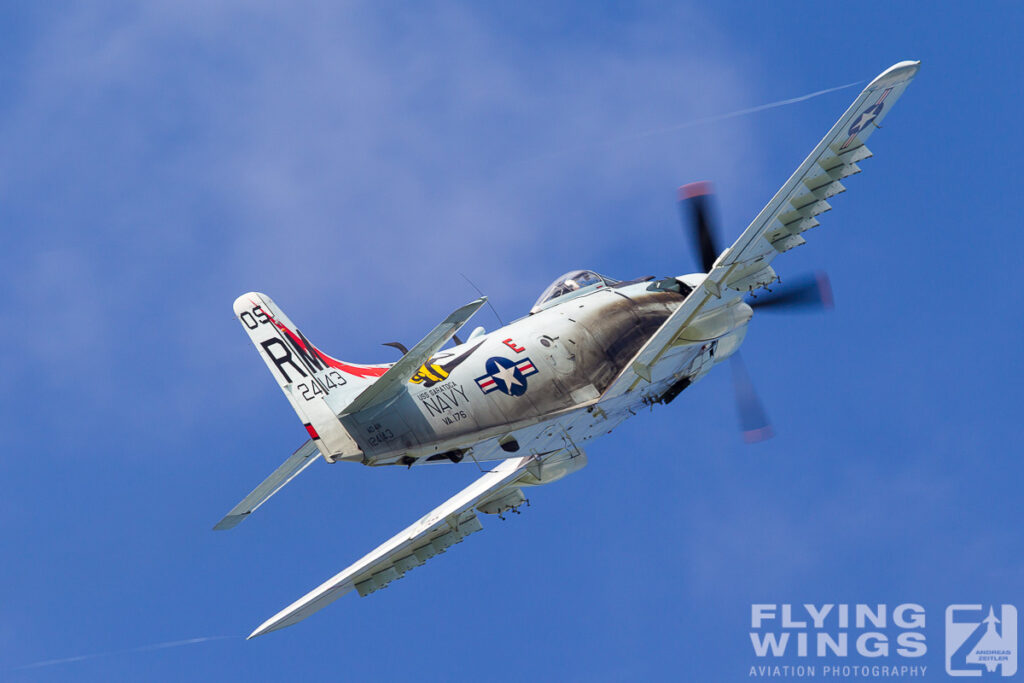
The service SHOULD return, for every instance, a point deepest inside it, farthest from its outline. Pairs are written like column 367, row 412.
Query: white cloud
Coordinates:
column 350, row 161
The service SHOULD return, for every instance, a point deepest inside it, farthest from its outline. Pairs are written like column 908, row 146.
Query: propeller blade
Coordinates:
column 753, row 420
column 695, row 209
column 808, row 292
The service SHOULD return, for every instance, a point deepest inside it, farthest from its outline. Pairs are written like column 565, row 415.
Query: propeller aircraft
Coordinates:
column 528, row 396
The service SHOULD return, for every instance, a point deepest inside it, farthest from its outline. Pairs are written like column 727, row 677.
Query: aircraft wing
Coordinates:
column 793, row 208
column 440, row 528
column 746, row 265
column 302, row 458
column 398, row 375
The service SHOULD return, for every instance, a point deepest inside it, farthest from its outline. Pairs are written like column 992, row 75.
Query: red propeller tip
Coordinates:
column 695, row 190
column 756, row 435
column 825, row 290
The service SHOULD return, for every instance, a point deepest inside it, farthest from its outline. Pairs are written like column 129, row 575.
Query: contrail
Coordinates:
column 143, row 648
column 740, row 112
column 702, row 121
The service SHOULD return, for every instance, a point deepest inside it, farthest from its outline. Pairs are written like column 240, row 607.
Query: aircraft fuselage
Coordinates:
column 535, row 384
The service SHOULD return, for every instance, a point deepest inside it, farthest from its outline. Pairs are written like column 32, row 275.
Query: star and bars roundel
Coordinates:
column 866, row 118
column 506, row 376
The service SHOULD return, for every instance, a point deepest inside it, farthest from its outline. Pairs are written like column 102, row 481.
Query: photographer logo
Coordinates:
column 981, row 640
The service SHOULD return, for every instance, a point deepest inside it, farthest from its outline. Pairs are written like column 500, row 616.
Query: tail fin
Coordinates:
column 318, row 387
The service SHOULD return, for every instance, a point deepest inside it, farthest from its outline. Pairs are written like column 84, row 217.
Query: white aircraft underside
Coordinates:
column 592, row 353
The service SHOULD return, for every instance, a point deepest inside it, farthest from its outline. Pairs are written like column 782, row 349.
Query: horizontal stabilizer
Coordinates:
column 299, row 460
column 397, row 377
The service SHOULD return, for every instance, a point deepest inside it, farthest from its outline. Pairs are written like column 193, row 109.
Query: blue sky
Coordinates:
column 351, row 161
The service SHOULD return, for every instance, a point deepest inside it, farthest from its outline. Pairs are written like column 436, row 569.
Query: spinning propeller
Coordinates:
column 804, row 293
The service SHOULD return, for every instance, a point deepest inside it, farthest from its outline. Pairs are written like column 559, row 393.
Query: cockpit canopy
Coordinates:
column 570, row 285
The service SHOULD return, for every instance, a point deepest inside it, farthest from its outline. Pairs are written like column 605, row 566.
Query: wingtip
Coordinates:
column 265, row 627
column 897, row 73
column 287, row 617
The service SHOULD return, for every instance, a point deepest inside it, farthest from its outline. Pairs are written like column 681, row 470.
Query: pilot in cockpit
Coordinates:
column 570, row 283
